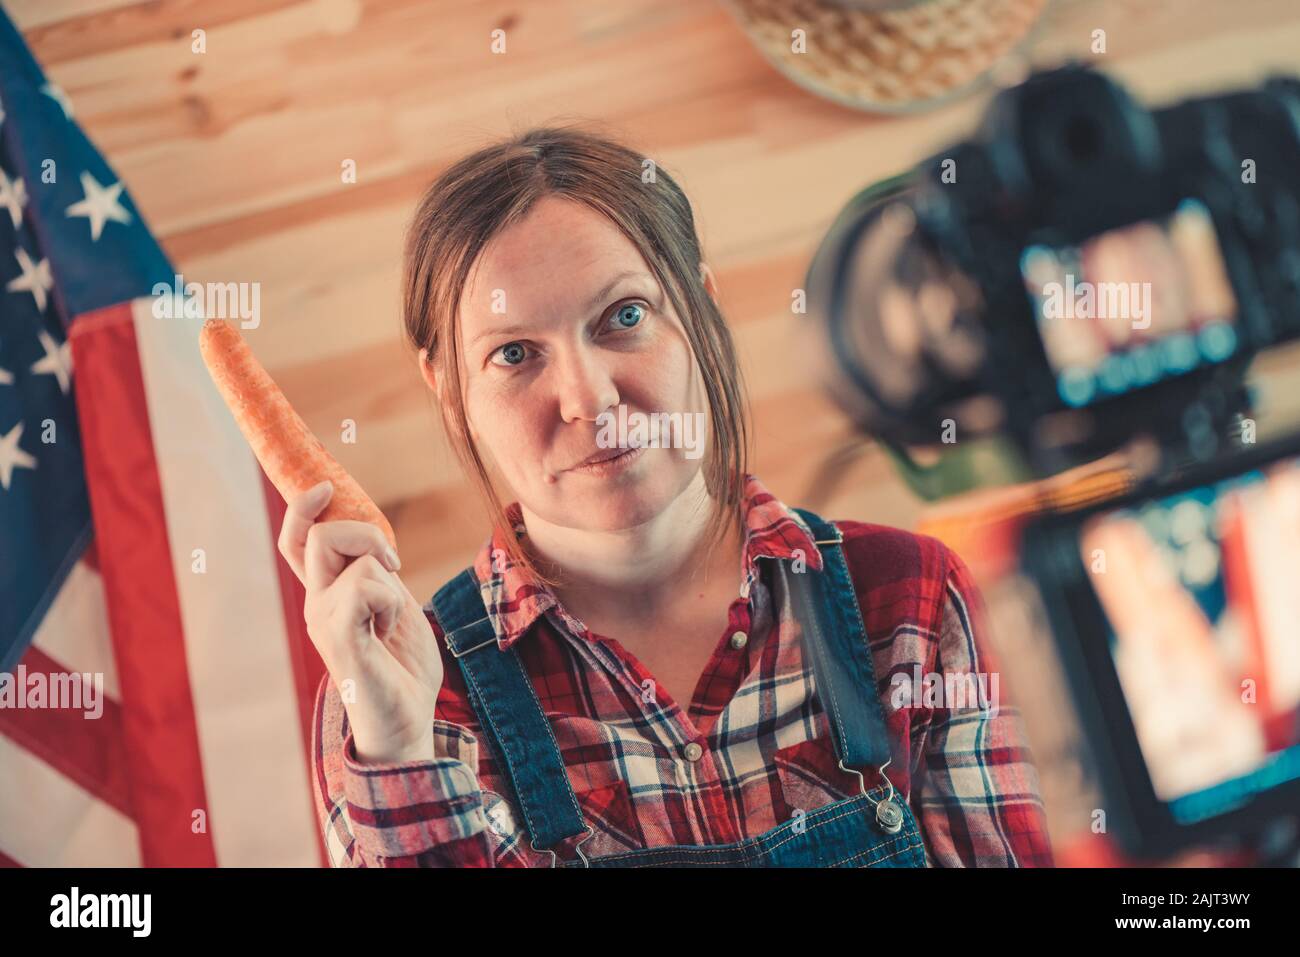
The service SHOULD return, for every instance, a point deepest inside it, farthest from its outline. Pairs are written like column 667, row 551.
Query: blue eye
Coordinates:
column 628, row 315
column 515, row 349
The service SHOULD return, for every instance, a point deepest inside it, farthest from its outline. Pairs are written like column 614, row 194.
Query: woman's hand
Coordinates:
column 370, row 631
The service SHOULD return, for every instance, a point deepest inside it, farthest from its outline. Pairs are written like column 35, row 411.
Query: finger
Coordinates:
column 298, row 518
column 369, row 599
column 385, row 619
column 367, row 568
column 340, row 613
column 331, row 544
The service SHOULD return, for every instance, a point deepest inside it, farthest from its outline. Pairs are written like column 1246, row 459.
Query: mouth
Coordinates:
column 607, row 461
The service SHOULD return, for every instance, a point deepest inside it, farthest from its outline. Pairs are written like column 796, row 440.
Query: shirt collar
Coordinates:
column 772, row 530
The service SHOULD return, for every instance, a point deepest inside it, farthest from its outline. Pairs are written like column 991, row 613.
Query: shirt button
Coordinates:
column 692, row 752
column 739, row 640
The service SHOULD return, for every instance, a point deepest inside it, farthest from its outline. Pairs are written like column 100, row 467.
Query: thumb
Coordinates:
column 299, row 516
column 313, row 501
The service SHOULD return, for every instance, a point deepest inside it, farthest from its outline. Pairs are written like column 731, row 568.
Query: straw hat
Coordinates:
column 889, row 55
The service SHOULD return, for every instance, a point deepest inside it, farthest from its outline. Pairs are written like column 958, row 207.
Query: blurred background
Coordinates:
column 234, row 156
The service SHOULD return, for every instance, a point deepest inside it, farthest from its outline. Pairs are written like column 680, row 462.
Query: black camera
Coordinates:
column 1082, row 273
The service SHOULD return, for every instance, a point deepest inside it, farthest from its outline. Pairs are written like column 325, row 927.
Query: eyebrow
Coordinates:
column 600, row 295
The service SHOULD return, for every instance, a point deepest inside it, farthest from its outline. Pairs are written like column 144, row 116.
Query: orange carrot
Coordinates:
column 292, row 457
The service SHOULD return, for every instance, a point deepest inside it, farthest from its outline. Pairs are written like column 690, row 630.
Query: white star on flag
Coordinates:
column 100, row 205
column 57, row 361
column 6, row 377
column 56, row 94
column 35, row 278
column 13, row 197
column 11, row 456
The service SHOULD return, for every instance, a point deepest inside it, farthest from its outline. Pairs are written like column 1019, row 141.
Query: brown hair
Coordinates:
column 487, row 191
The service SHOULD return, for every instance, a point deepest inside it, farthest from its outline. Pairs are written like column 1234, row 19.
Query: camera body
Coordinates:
column 1113, row 271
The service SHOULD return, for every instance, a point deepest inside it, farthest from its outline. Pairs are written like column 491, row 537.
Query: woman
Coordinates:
column 652, row 660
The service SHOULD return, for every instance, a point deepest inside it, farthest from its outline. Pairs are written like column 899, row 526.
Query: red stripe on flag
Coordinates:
column 90, row 751
column 308, row 668
column 159, row 730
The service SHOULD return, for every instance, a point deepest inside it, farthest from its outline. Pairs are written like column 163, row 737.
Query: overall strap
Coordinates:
column 507, row 706
column 837, row 643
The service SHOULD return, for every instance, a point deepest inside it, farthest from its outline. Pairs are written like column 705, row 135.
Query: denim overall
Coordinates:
column 874, row 828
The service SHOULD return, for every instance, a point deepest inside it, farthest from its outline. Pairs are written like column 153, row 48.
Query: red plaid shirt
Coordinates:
column 963, row 766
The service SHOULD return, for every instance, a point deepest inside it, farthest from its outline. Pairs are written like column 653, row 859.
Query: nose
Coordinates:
column 586, row 387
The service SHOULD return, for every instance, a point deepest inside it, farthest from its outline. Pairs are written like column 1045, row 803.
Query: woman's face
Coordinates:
column 562, row 320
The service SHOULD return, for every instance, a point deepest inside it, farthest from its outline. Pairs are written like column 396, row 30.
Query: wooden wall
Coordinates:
column 234, row 156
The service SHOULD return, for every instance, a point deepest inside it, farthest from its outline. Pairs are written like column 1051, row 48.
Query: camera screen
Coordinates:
column 1200, row 595
column 1132, row 306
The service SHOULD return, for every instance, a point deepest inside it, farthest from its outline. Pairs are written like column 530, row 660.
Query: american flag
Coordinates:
column 137, row 543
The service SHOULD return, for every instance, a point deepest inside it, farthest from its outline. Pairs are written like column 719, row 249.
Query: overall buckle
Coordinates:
column 577, row 848
column 889, row 816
